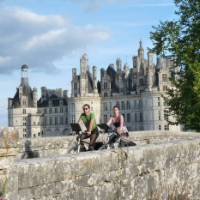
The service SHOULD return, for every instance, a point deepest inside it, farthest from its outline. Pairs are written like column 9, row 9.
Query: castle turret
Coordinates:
column 134, row 58
column 94, row 74
column 43, row 92
column 24, row 74
column 83, row 75
column 35, row 97
column 141, row 51
column 73, row 73
column 119, row 64
column 150, row 58
column 65, row 93
column 150, row 70
column 126, row 70
column 84, row 64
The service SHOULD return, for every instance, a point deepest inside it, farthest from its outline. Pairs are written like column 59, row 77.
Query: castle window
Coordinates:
column 141, row 82
column 45, row 121
column 128, row 117
column 50, row 110
column 166, row 127
column 118, row 104
column 141, row 117
column 50, row 121
column 140, row 104
column 159, row 115
column 75, row 86
column 61, row 120
column 24, row 102
column 24, row 111
column 45, row 110
column 61, row 109
column 128, row 105
column 164, row 77
column 105, row 85
column 158, row 101
column 159, row 127
column 56, row 110
column 56, row 121
column 164, row 87
column 166, row 115
column 73, row 107
column 105, row 118
column 135, row 103
column 122, row 105
column 105, row 106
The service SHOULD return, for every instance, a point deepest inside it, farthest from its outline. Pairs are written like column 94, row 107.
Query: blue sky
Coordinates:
column 51, row 35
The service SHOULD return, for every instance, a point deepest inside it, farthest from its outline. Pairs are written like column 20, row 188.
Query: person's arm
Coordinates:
column 80, row 119
column 110, row 121
column 91, row 124
column 121, row 122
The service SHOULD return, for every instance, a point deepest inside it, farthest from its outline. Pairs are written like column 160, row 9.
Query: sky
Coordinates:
column 50, row 36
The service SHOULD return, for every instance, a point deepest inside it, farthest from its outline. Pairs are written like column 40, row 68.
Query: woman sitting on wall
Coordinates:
column 117, row 122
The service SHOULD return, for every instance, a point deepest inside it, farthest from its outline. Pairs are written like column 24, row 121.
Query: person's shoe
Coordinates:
column 91, row 148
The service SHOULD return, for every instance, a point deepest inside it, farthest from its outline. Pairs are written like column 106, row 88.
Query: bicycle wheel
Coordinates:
column 104, row 146
column 73, row 149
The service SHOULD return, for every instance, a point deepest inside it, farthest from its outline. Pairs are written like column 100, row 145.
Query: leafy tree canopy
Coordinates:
column 180, row 38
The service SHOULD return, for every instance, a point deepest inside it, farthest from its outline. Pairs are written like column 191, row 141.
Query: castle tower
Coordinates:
column 150, row 58
column 35, row 97
column 24, row 74
column 141, row 51
column 83, row 75
column 150, row 70
column 94, row 74
column 119, row 64
column 73, row 82
column 84, row 64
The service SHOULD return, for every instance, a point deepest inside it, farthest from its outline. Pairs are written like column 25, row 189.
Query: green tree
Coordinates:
column 180, row 38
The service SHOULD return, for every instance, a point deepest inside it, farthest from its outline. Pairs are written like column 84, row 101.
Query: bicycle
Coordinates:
column 114, row 140
column 80, row 145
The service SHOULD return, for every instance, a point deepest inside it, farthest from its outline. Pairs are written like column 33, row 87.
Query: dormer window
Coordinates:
column 24, row 102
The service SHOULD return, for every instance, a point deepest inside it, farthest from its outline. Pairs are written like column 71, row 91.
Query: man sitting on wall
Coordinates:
column 87, row 120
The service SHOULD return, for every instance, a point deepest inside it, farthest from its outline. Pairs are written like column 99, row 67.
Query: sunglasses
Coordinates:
column 85, row 108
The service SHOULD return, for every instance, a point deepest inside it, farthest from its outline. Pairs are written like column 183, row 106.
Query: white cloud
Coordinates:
column 94, row 5
column 39, row 40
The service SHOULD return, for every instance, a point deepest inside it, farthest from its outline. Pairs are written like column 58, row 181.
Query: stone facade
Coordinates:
column 163, row 165
column 138, row 91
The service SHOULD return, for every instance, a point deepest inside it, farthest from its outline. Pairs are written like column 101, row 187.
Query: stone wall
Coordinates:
column 163, row 165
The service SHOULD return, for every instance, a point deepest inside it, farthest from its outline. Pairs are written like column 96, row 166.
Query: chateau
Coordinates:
column 138, row 90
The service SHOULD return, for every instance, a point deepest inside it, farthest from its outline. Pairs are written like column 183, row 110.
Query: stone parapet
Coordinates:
column 162, row 166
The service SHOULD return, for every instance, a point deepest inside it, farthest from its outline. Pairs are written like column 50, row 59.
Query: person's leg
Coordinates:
column 82, row 137
column 93, row 138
